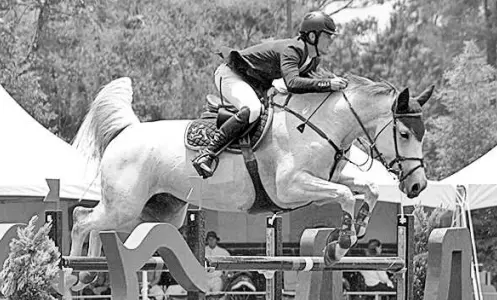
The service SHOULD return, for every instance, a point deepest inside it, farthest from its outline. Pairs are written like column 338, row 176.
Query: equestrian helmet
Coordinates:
column 317, row 22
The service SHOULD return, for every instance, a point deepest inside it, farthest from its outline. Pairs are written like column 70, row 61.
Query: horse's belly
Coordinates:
column 230, row 189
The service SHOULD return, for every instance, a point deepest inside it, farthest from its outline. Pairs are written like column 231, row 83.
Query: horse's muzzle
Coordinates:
column 412, row 191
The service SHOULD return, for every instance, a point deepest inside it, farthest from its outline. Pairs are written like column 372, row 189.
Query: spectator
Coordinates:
column 216, row 278
column 376, row 280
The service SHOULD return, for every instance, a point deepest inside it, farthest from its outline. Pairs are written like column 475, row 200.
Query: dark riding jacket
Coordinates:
column 259, row 65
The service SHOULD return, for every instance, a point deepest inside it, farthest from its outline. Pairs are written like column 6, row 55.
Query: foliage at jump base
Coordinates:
column 32, row 265
column 424, row 223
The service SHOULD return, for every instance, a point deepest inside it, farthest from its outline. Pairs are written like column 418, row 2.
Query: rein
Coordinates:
column 340, row 153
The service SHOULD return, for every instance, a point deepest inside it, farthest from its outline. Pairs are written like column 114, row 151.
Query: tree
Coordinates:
column 469, row 96
column 19, row 76
column 424, row 223
column 485, row 231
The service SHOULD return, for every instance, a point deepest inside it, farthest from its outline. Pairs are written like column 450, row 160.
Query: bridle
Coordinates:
column 374, row 152
column 399, row 172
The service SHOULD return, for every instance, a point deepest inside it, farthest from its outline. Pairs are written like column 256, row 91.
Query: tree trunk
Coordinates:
column 289, row 29
column 490, row 8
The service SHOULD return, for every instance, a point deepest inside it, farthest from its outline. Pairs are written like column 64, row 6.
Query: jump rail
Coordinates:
column 252, row 263
column 303, row 263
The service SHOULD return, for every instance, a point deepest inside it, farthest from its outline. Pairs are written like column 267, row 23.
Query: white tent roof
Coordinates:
column 480, row 181
column 30, row 154
column 436, row 194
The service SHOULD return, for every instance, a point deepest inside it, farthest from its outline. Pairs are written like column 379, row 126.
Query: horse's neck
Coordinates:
column 335, row 117
column 374, row 113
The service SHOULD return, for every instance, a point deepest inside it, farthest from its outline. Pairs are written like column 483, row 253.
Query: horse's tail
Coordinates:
column 109, row 114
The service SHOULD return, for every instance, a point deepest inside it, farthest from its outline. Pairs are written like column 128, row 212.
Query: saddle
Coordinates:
column 199, row 132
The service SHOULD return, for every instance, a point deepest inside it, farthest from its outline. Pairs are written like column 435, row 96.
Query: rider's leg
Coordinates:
column 230, row 130
column 242, row 96
column 237, row 91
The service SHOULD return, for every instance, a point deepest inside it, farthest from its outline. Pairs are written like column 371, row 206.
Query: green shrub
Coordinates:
column 32, row 265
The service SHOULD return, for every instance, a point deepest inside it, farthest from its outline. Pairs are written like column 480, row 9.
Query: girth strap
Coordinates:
column 262, row 201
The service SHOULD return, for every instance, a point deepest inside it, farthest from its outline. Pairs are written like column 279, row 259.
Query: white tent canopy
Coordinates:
column 480, row 181
column 436, row 194
column 30, row 154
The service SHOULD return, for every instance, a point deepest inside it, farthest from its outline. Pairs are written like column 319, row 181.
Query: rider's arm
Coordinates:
column 295, row 83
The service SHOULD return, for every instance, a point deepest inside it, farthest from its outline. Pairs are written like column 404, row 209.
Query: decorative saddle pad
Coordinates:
column 200, row 131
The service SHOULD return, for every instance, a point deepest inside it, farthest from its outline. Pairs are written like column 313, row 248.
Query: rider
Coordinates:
column 247, row 74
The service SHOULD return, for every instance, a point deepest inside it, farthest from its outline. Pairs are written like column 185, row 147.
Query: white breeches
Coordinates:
column 237, row 91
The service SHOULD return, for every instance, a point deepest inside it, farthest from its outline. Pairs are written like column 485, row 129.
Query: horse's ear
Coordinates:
column 403, row 101
column 425, row 95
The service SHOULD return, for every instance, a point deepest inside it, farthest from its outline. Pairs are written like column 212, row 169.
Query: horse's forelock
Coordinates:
column 414, row 106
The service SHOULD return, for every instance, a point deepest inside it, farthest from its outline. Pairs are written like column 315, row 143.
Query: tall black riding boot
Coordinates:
column 230, row 130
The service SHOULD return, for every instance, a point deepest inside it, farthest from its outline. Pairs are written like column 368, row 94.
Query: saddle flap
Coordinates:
column 199, row 132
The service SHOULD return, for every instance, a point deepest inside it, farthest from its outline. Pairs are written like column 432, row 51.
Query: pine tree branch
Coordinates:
column 347, row 5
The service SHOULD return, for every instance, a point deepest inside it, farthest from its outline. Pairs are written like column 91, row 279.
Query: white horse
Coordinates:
column 140, row 160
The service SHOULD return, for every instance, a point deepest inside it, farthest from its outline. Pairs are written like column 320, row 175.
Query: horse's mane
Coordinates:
column 360, row 84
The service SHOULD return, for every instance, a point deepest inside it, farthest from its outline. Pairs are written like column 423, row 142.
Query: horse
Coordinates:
column 140, row 160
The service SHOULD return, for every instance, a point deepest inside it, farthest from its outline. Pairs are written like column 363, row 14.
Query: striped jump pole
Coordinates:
column 303, row 263
column 254, row 263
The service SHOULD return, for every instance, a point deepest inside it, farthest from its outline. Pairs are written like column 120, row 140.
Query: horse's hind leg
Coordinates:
column 88, row 221
column 79, row 230
column 165, row 208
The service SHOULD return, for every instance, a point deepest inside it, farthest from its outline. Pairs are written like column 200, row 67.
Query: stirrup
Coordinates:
column 204, row 173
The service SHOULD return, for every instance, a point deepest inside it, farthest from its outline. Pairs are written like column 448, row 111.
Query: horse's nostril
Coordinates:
column 415, row 188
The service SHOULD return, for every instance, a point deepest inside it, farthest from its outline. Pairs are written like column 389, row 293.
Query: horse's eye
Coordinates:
column 404, row 135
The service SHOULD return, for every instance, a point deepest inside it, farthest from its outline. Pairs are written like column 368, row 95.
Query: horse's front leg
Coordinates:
column 371, row 193
column 311, row 188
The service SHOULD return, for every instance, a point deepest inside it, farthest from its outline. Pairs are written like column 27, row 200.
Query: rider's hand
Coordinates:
column 338, row 83
column 280, row 86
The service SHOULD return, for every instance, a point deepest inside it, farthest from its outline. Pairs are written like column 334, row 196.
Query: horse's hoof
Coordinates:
column 330, row 254
column 333, row 236
column 88, row 277
column 78, row 286
column 85, row 278
column 345, row 240
column 69, row 280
